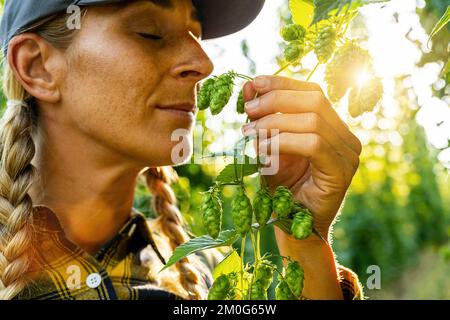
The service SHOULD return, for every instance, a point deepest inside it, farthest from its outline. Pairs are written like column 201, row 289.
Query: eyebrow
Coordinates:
column 168, row 4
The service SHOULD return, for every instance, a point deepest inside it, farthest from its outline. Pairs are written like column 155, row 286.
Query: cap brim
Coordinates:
column 221, row 18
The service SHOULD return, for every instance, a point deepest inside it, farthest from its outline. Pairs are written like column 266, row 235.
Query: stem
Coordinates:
column 242, row 262
column 313, row 71
column 243, row 76
column 282, row 68
column 258, row 241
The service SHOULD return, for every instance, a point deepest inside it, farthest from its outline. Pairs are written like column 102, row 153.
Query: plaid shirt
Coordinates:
column 119, row 270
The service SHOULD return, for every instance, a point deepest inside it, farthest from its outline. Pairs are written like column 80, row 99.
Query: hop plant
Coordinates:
column 294, row 276
column 282, row 290
column 294, row 51
column 241, row 212
column 221, row 93
column 292, row 32
column 342, row 71
column 282, row 202
column 325, row 43
column 365, row 99
column 262, row 206
column 302, row 225
column 240, row 105
column 212, row 213
column 204, row 96
column 223, row 288
column 263, row 277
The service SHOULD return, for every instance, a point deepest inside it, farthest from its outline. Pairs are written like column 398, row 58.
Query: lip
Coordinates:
column 184, row 107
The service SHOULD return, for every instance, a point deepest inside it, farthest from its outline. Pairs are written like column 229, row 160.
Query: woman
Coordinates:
column 91, row 110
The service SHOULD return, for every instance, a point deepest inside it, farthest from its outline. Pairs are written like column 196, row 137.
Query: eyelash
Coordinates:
column 150, row 36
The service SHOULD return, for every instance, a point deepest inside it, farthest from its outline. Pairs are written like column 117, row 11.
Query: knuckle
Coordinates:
column 313, row 120
column 315, row 144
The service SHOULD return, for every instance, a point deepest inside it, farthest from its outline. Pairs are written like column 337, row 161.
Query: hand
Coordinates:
column 318, row 154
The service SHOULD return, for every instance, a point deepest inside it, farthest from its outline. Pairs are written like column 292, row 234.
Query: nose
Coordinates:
column 194, row 64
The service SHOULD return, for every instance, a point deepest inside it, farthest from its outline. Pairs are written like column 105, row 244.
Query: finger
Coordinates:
column 302, row 123
column 291, row 101
column 326, row 163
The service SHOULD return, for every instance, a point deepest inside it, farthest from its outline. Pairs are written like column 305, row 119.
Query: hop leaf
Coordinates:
column 282, row 202
column 292, row 32
column 325, row 43
column 212, row 213
column 241, row 212
column 294, row 276
column 204, row 96
column 262, row 206
column 240, row 106
column 221, row 93
column 302, row 225
column 294, row 51
column 365, row 99
column 342, row 71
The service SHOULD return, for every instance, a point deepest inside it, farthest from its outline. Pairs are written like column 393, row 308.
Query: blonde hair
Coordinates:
column 17, row 150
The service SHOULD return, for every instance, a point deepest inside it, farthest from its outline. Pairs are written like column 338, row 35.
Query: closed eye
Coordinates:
column 150, row 36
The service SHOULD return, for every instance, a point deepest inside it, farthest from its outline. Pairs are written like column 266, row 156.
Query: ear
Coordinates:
column 37, row 65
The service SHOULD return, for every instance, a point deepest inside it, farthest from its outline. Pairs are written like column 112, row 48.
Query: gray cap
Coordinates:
column 219, row 17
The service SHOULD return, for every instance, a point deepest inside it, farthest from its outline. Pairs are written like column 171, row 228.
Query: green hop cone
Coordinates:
column 292, row 32
column 325, row 43
column 302, row 225
column 241, row 212
column 240, row 105
column 294, row 51
column 223, row 288
column 365, row 98
column 282, row 291
column 263, row 277
column 262, row 206
column 221, row 93
column 282, row 202
column 294, row 276
column 212, row 213
column 343, row 70
column 204, row 96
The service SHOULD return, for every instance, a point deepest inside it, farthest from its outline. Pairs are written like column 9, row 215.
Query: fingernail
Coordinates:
column 261, row 82
column 252, row 104
column 247, row 128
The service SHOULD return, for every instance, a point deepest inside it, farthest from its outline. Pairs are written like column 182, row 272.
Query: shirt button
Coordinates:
column 93, row 280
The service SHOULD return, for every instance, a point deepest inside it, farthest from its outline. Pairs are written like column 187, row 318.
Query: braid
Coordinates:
column 164, row 204
column 16, row 175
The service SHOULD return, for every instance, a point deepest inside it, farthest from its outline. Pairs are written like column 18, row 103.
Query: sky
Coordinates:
column 393, row 55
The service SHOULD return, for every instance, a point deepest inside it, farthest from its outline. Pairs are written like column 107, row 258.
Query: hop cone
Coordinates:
column 282, row 202
column 365, row 99
column 262, row 206
column 240, row 106
column 292, row 32
column 325, row 43
column 342, row 71
column 204, row 96
column 221, row 93
column 302, row 225
column 294, row 277
column 294, row 51
column 282, row 291
column 263, row 277
column 212, row 213
column 241, row 212
column 220, row 288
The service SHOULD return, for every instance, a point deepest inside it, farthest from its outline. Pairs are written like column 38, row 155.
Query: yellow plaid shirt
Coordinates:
column 118, row 271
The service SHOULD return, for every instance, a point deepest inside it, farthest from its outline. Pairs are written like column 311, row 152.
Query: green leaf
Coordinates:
column 325, row 8
column 232, row 263
column 302, row 12
column 441, row 23
column 225, row 238
column 228, row 173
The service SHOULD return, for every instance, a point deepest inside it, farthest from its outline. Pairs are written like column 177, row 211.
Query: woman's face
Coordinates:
column 127, row 69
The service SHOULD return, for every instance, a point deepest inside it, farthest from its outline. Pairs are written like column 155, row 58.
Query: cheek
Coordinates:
column 110, row 92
